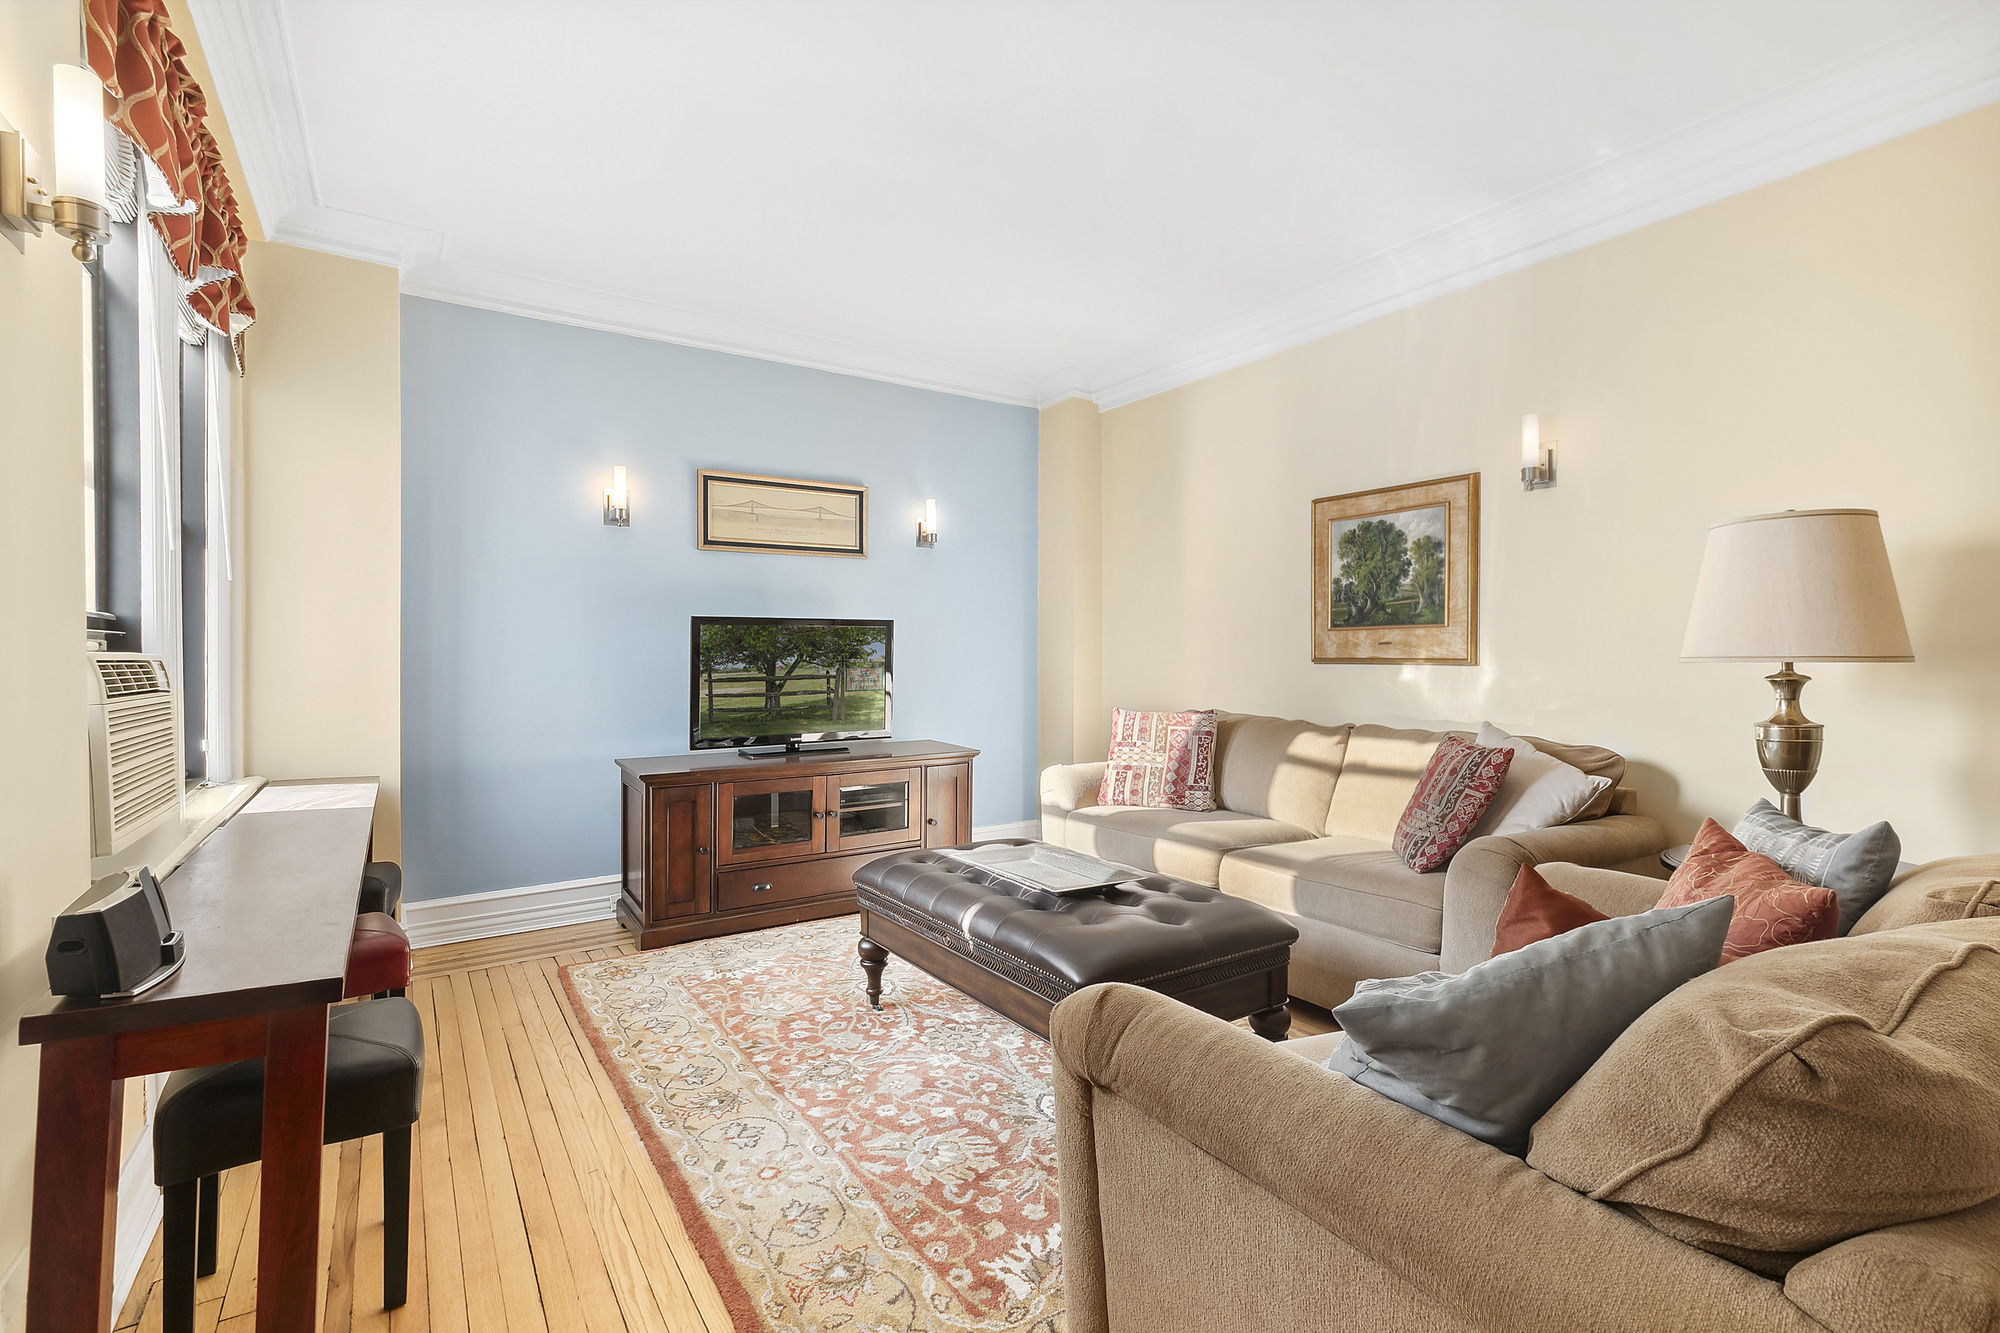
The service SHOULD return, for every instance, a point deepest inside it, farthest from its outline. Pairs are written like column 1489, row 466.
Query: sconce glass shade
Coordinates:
column 1531, row 441
column 79, row 133
column 930, row 515
column 617, row 511
column 618, row 487
column 1807, row 585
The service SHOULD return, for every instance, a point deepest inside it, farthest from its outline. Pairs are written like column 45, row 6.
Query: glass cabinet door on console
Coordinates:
column 771, row 820
column 879, row 808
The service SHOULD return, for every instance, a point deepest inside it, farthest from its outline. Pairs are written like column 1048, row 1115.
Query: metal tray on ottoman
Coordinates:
column 1019, row 950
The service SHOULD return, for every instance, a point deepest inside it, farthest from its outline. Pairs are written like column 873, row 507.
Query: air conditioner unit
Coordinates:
column 136, row 774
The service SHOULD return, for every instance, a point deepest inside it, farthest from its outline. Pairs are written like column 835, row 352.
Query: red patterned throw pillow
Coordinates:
column 1537, row 910
column 1165, row 760
column 1453, row 793
column 1772, row 908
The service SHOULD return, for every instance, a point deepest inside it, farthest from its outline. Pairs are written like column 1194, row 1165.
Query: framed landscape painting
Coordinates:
column 738, row 511
column 1396, row 574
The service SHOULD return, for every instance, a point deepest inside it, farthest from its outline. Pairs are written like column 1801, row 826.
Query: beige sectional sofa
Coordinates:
column 1211, row 1179
column 1307, row 812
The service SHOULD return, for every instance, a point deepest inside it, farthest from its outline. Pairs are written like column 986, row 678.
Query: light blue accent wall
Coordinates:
column 539, row 645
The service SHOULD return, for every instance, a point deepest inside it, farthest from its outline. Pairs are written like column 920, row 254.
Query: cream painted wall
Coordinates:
column 1828, row 340
column 321, row 444
column 45, row 782
column 1070, row 611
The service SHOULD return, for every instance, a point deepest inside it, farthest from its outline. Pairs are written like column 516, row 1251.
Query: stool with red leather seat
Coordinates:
column 378, row 959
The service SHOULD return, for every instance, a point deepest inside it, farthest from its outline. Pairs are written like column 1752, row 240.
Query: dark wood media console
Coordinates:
column 715, row 843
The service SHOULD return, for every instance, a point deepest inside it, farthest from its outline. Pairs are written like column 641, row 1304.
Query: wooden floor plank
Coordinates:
column 443, row 1277
column 485, row 1308
column 508, row 1227
column 560, row 1303
column 646, row 1279
column 240, row 1292
column 587, row 1073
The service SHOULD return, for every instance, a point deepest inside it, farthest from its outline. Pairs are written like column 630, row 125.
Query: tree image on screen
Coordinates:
column 777, row 680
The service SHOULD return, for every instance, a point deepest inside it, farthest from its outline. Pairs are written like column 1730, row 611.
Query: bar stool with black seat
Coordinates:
column 212, row 1119
column 382, row 888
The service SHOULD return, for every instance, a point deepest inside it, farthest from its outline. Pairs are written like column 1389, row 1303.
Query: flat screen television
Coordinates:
column 788, row 682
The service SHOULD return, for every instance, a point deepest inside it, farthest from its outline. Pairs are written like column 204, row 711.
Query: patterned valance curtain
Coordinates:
column 155, row 103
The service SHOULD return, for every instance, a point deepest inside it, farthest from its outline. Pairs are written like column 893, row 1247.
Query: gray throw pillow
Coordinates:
column 1491, row 1049
column 1856, row 866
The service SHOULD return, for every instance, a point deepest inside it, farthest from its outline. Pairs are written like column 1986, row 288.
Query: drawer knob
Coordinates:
column 759, row 888
column 931, row 822
column 819, row 814
column 701, row 851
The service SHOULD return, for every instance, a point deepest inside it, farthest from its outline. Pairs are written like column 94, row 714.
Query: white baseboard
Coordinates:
column 478, row 916
column 1026, row 828
column 139, row 1212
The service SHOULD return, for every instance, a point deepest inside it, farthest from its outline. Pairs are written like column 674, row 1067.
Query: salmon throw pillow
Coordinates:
column 1536, row 910
column 1772, row 908
column 1165, row 760
column 1460, row 782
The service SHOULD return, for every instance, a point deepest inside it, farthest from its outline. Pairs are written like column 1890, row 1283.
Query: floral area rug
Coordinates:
column 839, row 1169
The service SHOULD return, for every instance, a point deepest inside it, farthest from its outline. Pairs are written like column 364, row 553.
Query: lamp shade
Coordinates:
column 79, row 134
column 1807, row 585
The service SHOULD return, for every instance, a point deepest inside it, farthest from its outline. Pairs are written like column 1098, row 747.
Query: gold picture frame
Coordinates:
column 742, row 511
column 1395, row 576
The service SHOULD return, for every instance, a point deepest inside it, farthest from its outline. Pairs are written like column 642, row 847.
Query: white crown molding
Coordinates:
column 1938, row 72
column 537, row 298
column 1944, row 70
column 1069, row 382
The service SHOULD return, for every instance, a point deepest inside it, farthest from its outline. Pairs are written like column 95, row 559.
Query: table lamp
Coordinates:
column 1807, row 585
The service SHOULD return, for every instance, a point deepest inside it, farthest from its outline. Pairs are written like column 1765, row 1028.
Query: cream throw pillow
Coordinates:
column 1540, row 791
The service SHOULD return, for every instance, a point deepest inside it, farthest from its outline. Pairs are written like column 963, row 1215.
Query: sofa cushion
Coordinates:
column 1489, row 1050
column 1799, row 1097
column 1160, row 759
column 1772, row 908
column 1181, row 843
column 1856, row 866
column 1458, row 784
column 1595, row 761
column 1277, row 769
column 1954, row 889
column 1352, row 882
column 1536, row 910
column 1378, row 775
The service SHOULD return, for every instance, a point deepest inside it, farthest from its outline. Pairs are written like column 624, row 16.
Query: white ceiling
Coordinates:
column 1019, row 199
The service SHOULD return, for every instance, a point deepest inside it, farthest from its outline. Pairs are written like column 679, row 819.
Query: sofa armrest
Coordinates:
column 1067, row 787
column 1483, row 870
column 1613, row 892
column 1494, row 1242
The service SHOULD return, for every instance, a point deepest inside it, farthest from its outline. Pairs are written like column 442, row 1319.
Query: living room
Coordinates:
column 1087, row 334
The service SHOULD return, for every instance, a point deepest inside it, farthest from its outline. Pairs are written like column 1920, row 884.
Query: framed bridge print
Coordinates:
column 738, row 511
column 1396, row 574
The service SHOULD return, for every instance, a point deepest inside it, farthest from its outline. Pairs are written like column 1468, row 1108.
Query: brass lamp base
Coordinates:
column 1789, row 743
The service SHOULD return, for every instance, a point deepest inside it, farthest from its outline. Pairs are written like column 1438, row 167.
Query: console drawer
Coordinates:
column 765, row 885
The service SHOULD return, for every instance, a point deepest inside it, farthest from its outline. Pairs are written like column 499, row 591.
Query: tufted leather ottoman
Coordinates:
column 1019, row 950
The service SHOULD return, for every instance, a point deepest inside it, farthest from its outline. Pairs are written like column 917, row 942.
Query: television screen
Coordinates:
column 764, row 681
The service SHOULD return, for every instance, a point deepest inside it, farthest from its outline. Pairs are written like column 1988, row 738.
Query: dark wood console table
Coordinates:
column 267, row 906
column 714, row 843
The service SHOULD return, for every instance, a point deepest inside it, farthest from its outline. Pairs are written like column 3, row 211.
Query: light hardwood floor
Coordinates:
column 533, row 1203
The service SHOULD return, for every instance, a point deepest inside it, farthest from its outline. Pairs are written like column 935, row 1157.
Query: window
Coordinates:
column 159, row 578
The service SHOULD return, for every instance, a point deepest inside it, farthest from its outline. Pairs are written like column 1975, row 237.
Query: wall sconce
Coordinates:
column 617, row 512
column 927, row 525
column 1538, row 459
column 73, row 202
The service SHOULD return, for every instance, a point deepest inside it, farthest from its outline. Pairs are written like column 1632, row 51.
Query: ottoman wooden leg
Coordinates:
column 873, row 956
column 1273, row 1024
